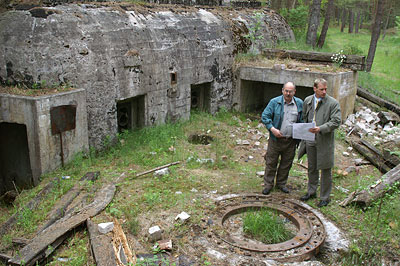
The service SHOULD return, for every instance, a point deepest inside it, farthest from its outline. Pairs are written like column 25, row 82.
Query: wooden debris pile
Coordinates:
column 61, row 225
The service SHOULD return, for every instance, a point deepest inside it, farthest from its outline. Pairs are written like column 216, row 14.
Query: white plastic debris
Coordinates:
column 161, row 172
column 260, row 173
column 183, row 216
column 104, row 228
column 346, row 154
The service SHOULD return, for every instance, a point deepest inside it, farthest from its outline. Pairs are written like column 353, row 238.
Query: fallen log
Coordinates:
column 377, row 161
column 376, row 191
column 377, row 100
column 101, row 246
column 36, row 249
column 60, row 208
column 33, row 203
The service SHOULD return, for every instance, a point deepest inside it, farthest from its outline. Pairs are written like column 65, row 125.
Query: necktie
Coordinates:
column 315, row 110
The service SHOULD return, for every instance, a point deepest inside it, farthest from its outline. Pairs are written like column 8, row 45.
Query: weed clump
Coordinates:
column 266, row 226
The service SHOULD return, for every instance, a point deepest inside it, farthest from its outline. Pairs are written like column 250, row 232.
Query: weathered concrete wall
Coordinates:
column 117, row 53
column 342, row 85
column 34, row 112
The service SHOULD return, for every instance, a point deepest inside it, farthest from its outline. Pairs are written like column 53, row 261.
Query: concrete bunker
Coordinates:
column 38, row 134
column 15, row 165
column 257, row 85
column 200, row 96
column 131, row 113
column 255, row 95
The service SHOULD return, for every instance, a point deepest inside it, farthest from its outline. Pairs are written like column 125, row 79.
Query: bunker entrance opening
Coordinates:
column 130, row 113
column 200, row 97
column 255, row 95
column 15, row 166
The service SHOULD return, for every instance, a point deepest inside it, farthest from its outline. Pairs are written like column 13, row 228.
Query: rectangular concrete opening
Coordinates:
column 255, row 95
column 200, row 97
column 131, row 113
column 15, row 163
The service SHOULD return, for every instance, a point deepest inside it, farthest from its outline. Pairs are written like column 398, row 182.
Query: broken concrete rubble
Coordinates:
column 366, row 122
column 155, row 233
column 183, row 216
column 104, row 228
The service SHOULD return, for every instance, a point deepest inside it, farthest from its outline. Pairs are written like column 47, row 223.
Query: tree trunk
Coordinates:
column 375, row 35
column 294, row 4
column 338, row 11
column 351, row 21
column 313, row 22
column 361, row 21
column 357, row 22
column 387, row 22
column 344, row 15
column 278, row 5
column 372, row 193
column 288, row 4
column 328, row 14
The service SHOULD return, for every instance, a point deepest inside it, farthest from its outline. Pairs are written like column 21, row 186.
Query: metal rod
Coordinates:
column 62, row 150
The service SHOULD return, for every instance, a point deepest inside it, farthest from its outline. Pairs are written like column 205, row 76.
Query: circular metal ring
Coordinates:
column 310, row 235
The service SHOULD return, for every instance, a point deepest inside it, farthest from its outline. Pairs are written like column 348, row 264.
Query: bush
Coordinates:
column 352, row 49
column 296, row 18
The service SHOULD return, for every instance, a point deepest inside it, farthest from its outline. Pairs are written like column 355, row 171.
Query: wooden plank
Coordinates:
column 355, row 62
column 377, row 100
column 33, row 203
column 370, row 156
column 59, row 209
column 156, row 169
column 39, row 244
column 121, row 246
column 101, row 246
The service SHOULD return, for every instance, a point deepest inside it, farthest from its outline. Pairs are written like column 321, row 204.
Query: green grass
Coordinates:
column 265, row 225
column 149, row 196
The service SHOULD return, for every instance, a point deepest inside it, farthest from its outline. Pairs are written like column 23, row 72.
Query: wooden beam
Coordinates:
column 59, row 209
column 354, row 62
column 32, row 252
column 33, row 203
column 371, row 156
column 101, row 246
column 377, row 100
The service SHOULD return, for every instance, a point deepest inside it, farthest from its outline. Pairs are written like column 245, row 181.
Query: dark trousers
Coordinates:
column 285, row 148
column 314, row 176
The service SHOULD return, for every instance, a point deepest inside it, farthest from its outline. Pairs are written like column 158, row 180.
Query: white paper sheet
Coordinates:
column 301, row 131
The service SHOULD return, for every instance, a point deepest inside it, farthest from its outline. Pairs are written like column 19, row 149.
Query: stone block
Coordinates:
column 155, row 233
column 104, row 228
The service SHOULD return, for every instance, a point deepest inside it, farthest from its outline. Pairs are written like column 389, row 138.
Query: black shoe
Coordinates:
column 284, row 189
column 323, row 203
column 266, row 191
column 307, row 197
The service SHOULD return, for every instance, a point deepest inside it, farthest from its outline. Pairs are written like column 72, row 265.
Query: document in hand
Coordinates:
column 301, row 131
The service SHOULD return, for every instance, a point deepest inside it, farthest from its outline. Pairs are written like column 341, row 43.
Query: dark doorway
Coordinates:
column 200, row 97
column 130, row 113
column 15, row 163
column 255, row 95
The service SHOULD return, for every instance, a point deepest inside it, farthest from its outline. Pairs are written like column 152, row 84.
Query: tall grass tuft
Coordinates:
column 266, row 226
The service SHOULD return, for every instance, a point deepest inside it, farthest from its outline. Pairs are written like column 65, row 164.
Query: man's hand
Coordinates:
column 277, row 133
column 314, row 130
